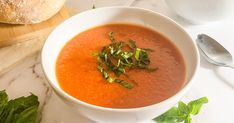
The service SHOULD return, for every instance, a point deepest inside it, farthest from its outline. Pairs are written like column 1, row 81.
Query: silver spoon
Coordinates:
column 214, row 52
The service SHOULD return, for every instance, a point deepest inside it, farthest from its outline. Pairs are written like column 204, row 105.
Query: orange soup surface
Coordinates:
column 76, row 68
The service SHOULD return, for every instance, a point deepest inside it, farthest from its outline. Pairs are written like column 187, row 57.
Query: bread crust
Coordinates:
column 28, row 11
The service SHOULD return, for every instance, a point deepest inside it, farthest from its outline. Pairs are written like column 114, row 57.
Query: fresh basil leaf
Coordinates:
column 29, row 115
column 182, row 113
column 3, row 102
column 3, row 97
column 173, row 115
column 20, row 110
column 132, row 44
column 18, row 105
column 183, row 107
column 195, row 106
column 188, row 120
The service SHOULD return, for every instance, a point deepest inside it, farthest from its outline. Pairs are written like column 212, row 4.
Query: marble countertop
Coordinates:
column 214, row 82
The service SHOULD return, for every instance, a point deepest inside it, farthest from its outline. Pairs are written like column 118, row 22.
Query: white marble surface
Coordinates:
column 215, row 83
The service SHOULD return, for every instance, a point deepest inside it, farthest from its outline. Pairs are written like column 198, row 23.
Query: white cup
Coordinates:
column 202, row 11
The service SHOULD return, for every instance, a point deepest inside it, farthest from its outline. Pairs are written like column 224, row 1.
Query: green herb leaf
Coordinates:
column 3, row 97
column 171, row 116
column 182, row 113
column 148, row 50
column 116, row 58
column 137, row 54
column 188, row 120
column 111, row 36
column 127, row 55
column 3, row 101
column 20, row 110
column 183, row 107
column 124, row 83
column 110, row 79
column 132, row 44
column 151, row 69
column 28, row 115
column 112, row 51
column 105, row 75
column 195, row 106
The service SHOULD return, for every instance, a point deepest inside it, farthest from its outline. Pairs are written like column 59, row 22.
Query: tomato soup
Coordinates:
column 77, row 74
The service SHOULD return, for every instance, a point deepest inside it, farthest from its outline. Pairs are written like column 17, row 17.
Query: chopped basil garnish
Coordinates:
column 119, row 56
column 111, row 36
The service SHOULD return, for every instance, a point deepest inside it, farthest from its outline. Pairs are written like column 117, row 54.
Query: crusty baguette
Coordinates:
column 28, row 11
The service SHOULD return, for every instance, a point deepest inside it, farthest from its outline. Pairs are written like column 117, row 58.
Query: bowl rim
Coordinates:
column 77, row 101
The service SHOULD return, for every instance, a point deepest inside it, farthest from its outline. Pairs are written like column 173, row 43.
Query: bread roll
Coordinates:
column 28, row 11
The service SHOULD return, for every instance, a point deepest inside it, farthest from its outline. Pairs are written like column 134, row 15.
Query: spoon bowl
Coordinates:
column 214, row 52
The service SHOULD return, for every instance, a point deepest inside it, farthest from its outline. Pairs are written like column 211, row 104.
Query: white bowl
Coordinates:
column 85, row 20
